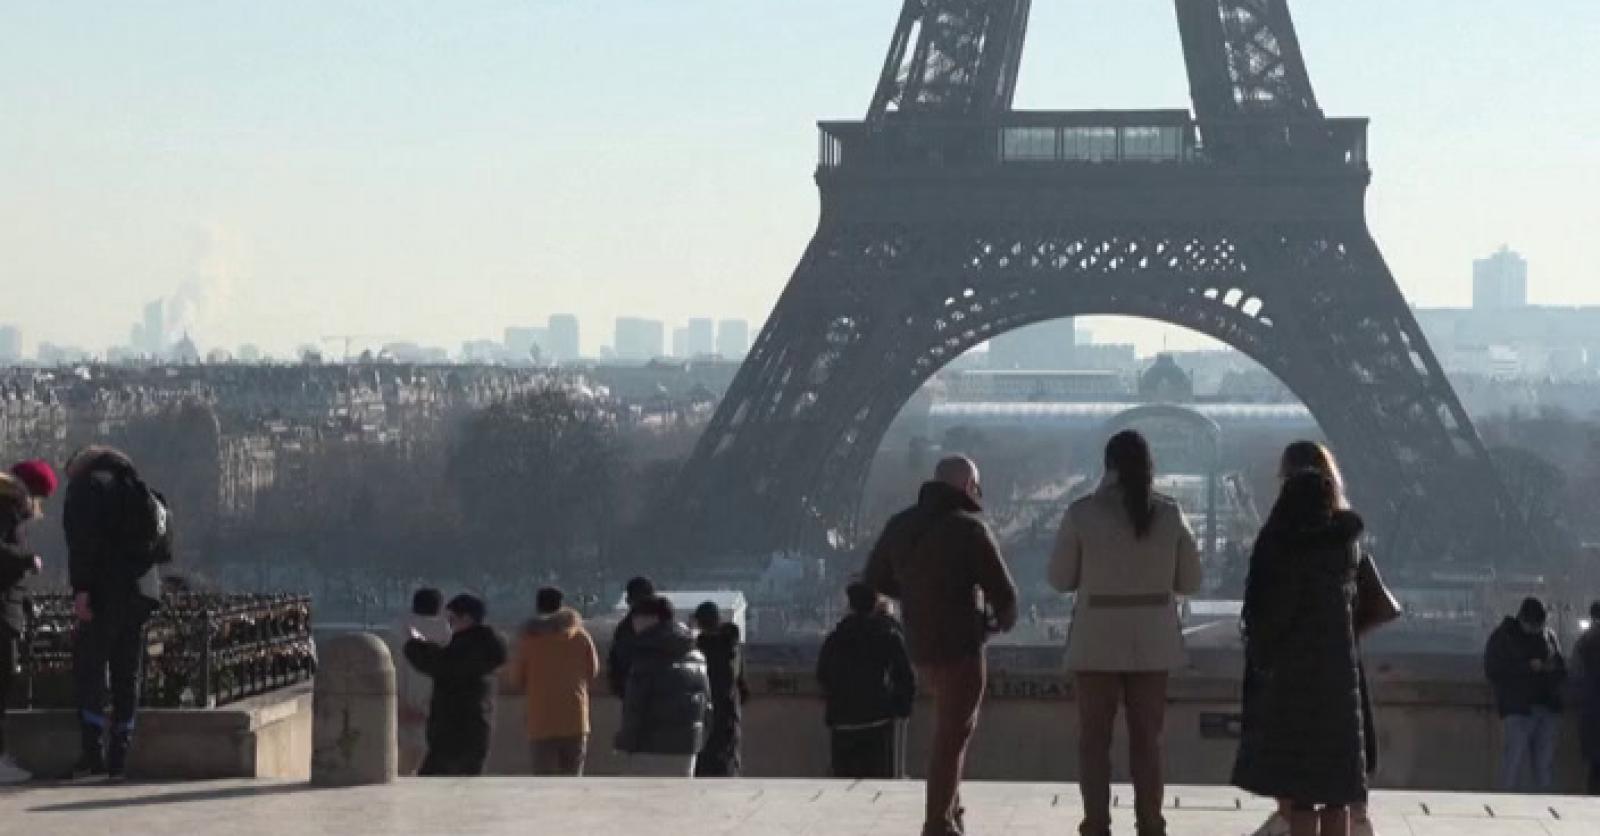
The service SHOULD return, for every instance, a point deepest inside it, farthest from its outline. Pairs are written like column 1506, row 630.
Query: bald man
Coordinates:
column 939, row 559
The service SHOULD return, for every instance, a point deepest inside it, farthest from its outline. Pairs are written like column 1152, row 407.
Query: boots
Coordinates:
column 121, row 742
column 92, row 761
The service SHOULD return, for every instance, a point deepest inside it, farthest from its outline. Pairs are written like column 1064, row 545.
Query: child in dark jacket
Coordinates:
column 461, row 712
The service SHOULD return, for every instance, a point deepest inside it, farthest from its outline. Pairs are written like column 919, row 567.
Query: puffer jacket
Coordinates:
column 555, row 664
column 667, row 706
column 1303, row 736
column 865, row 673
column 939, row 559
column 1508, row 661
column 16, row 560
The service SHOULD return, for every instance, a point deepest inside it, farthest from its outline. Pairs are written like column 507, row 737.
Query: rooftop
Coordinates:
column 493, row 806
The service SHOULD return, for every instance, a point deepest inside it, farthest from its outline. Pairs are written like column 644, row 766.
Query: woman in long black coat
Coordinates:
column 1303, row 734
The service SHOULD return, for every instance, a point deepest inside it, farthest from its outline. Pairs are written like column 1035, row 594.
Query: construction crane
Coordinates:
column 347, row 339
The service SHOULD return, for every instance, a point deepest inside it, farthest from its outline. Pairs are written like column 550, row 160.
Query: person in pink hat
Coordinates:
column 22, row 493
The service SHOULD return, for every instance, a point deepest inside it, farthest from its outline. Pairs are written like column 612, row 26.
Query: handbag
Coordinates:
column 1375, row 604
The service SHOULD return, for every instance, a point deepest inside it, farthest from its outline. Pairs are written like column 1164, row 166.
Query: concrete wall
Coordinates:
column 263, row 737
column 1437, row 728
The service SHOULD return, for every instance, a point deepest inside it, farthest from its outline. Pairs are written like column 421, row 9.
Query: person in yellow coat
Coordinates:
column 554, row 666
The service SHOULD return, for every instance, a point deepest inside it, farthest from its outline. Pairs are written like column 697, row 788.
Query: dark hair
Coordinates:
column 1308, row 498
column 427, row 601
column 548, row 600
column 640, row 588
column 1532, row 611
column 863, row 598
column 707, row 616
column 470, row 606
column 1128, row 456
column 658, row 606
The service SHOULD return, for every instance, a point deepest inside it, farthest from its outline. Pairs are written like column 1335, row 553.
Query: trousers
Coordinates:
column 560, row 755
column 957, row 688
column 110, row 647
column 1528, row 762
column 1100, row 695
column 865, row 753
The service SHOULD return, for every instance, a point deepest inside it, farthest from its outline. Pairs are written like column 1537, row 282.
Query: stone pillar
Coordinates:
column 354, row 735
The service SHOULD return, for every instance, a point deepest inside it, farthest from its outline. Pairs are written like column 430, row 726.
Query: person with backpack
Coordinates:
column 22, row 493
column 118, row 530
column 870, row 687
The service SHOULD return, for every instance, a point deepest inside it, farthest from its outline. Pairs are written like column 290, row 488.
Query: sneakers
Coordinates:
column 1277, row 825
column 10, row 773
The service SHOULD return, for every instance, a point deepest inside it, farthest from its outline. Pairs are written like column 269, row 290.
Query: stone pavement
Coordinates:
column 505, row 806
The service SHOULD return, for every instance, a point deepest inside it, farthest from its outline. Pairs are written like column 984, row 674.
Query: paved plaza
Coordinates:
column 505, row 806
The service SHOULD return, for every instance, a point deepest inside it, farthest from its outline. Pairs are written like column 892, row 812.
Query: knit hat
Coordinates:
column 38, row 476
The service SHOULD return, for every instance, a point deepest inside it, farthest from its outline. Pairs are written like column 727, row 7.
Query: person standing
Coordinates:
column 941, row 561
column 1586, row 658
column 414, row 689
column 461, row 710
column 720, row 644
column 555, row 664
column 667, row 706
column 1524, row 664
column 619, row 656
column 22, row 494
column 1126, row 551
column 869, row 686
column 1303, row 737
column 117, row 531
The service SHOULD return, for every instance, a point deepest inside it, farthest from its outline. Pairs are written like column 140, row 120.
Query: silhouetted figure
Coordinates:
column 22, row 495
column 461, row 711
column 1126, row 551
column 720, row 644
column 668, row 704
column 412, row 689
column 1524, row 664
column 870, row 687
column 620, row 656
column 1303, row 739
column 1586, row 656
column 555, row 664
column 941, row 561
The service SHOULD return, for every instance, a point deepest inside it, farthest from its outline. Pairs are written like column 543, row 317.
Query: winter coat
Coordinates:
column 16, row 559
column 1586, row 655
column 941, row 562
column 619, row 657
column 1125, row 618
column 1508, row 662
column 667, row 706
column 555, row 664
column 97, row 563
column 461, row 711
column 865, row 673
column 1303, row 736
column 412, row 689
column 719, row 757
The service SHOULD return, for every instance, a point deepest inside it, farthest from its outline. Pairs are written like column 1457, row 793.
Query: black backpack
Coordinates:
column 145, row 523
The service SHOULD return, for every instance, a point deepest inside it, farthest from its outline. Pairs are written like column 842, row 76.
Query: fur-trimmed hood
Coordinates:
column 564, row 622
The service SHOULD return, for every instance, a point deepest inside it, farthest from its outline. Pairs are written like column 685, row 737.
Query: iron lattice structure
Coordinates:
column 949, row 218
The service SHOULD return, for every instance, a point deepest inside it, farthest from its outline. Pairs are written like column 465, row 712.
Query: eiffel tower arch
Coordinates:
column 949, row 218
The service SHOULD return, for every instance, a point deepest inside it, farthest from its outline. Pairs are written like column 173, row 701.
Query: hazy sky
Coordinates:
column 442, row 170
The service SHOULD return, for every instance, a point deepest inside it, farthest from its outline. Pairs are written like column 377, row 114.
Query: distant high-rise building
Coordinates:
column 249, row 353
column 10, row 343
column 640, row 339
column 562, row 334
column 520, row 342
column 1500, row 281
column 154, row 330
column 1047, row 346
column 680, row 343
column 702, row 337
column 733, row 339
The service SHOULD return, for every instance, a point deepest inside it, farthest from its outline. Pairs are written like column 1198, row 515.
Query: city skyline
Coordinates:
column 400, row 173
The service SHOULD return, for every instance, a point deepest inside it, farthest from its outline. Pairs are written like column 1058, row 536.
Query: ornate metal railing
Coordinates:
column 203, row 650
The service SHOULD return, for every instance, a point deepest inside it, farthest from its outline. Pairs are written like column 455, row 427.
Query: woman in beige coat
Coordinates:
column 1127, row 552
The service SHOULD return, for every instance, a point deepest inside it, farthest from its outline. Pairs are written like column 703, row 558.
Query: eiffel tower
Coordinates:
column 950, row 218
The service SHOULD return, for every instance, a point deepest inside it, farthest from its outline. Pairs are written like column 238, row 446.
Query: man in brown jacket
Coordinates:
column 939, row 559
column 554, row 666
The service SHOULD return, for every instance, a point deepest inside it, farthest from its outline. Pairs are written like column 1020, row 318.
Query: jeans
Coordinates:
column 111, row 643
column 957, row 689
column 865, row 753
column 1100, row 695
column 563, row 756
column 1530, row 749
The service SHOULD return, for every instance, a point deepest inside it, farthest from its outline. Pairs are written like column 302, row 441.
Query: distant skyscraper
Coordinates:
column 1500, row 281
column 562, row 332
column 702, row 337
column 680, row 343
column 1047, row 346
column 733, row 339
column 640, row 339
column 520, row 342
column 154, row 330
column 10, row 344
